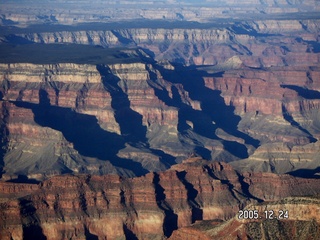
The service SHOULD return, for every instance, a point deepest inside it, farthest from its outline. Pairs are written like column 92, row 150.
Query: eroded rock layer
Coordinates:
column 292, row 218
column 151, row 94
column 147, row 207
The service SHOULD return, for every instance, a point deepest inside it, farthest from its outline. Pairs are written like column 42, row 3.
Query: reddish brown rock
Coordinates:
column 145, row 207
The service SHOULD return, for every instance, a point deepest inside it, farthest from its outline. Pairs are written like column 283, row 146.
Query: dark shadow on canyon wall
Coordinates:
column 89, row 236
column 24, row 179
column 304, row 92
column 4, row 132
column 170, row 221
column 132, row 129
column 214, row 112
column 192, row 193
column 83, row 130
column 245, row 188
column 128, row 233
column 286, row 115
column 306, row 173
column 30, row 221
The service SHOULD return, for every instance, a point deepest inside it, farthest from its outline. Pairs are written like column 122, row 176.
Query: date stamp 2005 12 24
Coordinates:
column 267, row 214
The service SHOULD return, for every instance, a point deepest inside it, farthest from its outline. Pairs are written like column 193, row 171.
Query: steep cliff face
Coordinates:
column 300, row 222
column 50, row 103
column 154, row 114
column 264, row 43
column 152, row 206
column 240, row 89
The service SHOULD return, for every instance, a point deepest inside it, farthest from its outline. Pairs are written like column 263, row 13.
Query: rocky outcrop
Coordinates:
column 300, row 222
column 202, row 46
column 98, row 96
column 173, row 111
column 245, row 89
column 151, row 206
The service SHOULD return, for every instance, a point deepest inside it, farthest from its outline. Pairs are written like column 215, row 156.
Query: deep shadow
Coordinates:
column 244, row 28
column 197, row 212
column 31, row 226
column 13, row 39
column 128, row 233
column 306, row 173
column 89, row 236
column 24, row 179
column 244, row 185
column 304, row 92
column 245, row 188
column 83, row 130
column 33, row 232
column 130, row 121
column 214, row 112
column 185, row 112
column 315, row 46
column 295, row 124
column 4, row 133
column 122, row 39
column 170, row 221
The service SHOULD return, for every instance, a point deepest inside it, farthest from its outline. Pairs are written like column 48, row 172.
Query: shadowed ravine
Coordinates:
column 4, row 133
column 30, row 221
column 214, row 112
column 130, row 121
column 170, row 221
column 90, row 141
column 197, row 212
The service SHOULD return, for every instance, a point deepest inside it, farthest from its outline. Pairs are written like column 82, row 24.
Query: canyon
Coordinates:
column 249, row 91
column 155, row 205
column 159, row 119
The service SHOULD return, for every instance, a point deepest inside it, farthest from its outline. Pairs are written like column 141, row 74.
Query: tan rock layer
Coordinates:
column 145, row 207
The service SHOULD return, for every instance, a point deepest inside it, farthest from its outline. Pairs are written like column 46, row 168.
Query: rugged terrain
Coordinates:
column 154, row 205
column 102, row 102
column 68, row 13
column 302, row 223
column 248, row 90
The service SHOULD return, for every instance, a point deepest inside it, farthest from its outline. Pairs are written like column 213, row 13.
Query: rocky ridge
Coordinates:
column 65, row 12
column 171, row 119
column 151, row 206
column 302, row 223
column 226, row 90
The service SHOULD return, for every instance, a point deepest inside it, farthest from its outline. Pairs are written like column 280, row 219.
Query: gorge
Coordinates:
column 158, row 120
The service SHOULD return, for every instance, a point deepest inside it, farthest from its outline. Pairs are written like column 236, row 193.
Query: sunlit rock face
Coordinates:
column 148, row 207
column 72, row 13
column 248, row 90
column 159, row 119
column 303, row 225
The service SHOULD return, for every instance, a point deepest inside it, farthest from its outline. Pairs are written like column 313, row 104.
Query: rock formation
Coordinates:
column 102, row 102
column 302, row 223
column 148, row 207
column 66, row 13
column 256, row 74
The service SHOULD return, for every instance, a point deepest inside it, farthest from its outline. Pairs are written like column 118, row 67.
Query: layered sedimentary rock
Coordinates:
column 299, row 221
column 263, row 43
column 238, row 89
column 70, row 13
column 148, row 207
column 50, row 103
column 173, row 111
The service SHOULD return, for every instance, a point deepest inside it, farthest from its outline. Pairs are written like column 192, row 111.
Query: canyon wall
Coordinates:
column 245, row 89
column 151, row 206
column 302, row 222
column 265, row 84
column 66, row 13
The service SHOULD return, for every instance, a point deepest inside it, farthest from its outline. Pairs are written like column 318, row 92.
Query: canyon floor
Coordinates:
column 156, row 120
